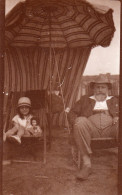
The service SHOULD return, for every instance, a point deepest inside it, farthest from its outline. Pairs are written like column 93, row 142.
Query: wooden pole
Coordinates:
column 50, row 101
column 2, row 29
column 120, row 121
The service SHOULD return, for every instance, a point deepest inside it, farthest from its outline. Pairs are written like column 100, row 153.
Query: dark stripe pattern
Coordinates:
column 44, row 24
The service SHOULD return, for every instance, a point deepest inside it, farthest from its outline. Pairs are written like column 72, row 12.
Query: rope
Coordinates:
column 50, row 77
column 61, row 90
column 50, row 85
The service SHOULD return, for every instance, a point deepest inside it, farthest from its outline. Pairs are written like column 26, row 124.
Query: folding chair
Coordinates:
column 96, row 144
column 38, row 99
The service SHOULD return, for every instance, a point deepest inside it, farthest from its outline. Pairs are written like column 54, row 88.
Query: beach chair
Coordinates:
column 39, row 109
column 96, row 144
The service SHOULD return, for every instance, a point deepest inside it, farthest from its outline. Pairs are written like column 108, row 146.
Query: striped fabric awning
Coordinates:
column 46, row 40
column 57, row 24
column 29, row 69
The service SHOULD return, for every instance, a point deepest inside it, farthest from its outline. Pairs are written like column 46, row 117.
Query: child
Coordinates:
column 21, row 121
column 35, row 125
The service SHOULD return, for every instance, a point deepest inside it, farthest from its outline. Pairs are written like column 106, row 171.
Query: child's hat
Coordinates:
column 24, row 101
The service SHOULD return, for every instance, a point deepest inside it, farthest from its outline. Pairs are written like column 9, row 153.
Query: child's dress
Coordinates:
column 24, row 123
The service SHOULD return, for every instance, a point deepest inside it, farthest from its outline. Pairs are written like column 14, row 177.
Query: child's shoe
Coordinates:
column 15, row 138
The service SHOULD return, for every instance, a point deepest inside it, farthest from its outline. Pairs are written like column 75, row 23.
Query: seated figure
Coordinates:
column 93, row 116
column 21, row 121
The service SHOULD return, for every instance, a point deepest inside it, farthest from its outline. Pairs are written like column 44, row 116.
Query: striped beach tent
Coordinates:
column 49, row 42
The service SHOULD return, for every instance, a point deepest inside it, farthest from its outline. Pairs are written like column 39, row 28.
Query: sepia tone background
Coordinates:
column 57, row 176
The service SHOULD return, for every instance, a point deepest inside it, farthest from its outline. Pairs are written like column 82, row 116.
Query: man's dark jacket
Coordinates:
column 84, row 107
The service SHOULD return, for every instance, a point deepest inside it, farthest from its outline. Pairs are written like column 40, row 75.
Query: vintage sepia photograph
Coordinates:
column 60, row 89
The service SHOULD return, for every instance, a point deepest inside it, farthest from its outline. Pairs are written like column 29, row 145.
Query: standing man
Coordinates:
column 93, row 117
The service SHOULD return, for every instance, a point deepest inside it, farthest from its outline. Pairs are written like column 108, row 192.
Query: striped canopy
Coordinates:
column 57, row 24
column 49, row 42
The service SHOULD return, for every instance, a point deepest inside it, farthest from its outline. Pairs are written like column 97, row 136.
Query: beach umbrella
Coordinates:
column 58, row 24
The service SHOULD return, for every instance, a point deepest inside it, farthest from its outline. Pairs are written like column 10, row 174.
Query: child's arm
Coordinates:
column 15, row 124
column 29, row 131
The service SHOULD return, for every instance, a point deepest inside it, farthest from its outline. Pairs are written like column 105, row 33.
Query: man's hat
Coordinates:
column 101, row 79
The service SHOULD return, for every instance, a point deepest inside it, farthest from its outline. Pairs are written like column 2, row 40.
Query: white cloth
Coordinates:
column 101, row 105
column 23, row 122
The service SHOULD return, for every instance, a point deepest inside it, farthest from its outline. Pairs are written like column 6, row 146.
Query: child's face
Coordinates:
column 24, row 110
column 34, row 123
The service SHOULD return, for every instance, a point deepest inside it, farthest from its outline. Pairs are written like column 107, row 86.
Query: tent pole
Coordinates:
column 50, row 102
column 2, row 49
column 120, row 140
column 120, row 123
column 50, row 87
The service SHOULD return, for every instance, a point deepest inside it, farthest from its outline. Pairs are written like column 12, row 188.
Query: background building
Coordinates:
column 84, row 87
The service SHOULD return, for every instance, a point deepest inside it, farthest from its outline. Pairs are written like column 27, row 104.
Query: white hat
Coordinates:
column 24, row 101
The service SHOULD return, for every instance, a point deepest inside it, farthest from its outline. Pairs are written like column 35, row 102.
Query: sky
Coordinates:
column 106, row 60
column 101, row 60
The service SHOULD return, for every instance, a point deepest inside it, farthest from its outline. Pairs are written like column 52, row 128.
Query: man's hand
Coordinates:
column 115, row 120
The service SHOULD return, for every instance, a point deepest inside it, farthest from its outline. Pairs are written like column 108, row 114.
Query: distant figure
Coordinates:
column 93, row 116
column 36, row 130
column 21, row 121
column 56, row 101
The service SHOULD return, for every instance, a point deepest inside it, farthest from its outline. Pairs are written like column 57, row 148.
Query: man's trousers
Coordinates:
column 96, row 126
